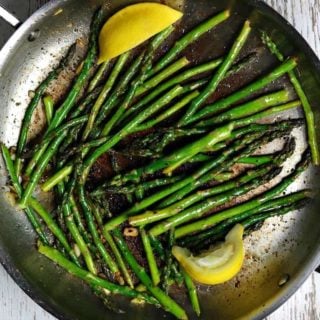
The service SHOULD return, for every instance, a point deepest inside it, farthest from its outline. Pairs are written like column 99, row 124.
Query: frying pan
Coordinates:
column 280, row 256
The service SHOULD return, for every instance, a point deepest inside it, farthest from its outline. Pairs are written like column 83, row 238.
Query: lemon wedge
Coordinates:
column 217, row 265
column 132, row 26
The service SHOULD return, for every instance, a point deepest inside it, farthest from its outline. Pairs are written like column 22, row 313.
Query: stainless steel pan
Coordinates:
column 280, row 256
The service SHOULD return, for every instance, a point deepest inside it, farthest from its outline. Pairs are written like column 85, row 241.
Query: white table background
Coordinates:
column 305, row 304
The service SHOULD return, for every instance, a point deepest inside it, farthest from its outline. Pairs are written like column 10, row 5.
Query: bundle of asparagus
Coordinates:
column 154, row 110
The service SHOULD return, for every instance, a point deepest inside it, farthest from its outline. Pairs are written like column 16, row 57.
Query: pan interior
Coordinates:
column 283, row 247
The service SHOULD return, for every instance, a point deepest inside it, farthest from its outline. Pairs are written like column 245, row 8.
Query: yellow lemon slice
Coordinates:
column 218, row 264
column 133, row 25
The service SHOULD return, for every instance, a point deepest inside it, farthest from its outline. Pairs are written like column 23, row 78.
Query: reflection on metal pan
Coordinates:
column 291, row 251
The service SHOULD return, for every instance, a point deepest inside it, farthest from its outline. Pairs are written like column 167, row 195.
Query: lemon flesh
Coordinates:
column 217, row 265
column 132, row 26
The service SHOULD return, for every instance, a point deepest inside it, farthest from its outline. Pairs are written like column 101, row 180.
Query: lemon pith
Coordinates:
column 132, row 26
column 217, row 265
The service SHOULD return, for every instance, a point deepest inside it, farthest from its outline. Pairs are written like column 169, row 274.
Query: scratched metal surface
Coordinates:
column 304, row 14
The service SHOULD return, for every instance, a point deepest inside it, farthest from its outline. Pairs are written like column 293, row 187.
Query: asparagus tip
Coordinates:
column 295, row 59
column 247, row 24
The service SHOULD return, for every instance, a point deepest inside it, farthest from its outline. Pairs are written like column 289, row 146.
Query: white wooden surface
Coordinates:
column 305, row 304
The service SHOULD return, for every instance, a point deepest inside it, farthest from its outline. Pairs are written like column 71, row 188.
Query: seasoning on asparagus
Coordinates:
column 205, row 206
column 213, row 220
column 280, row 205
column 153, row 216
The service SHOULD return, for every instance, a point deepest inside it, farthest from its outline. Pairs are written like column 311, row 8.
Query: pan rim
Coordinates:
column 270, row 305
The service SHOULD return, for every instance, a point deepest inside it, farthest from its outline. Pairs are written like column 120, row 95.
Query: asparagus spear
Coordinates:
column 269, row 112
column 281, row 205
column 48, row 107
column 105, row 91
column 225, row 103
column 173, row 161
column 245, row 126
column 167, row 303
column 138, row 189
column 147, row 63
column 120, row 89
column 256, row 160
column 159, row 249
column 98, row 76
column 249, row 108
column 84, row 74
column 153, row 267
column 256, row 117
column 42, row 165
column 168, row 113
column 118, row 257
column 40, row 210
column 229, row 213
column 113, row 248
column 157, row 215
column 34, row 103
column 64, row 127
column 218, row 134
column 86, row 102
column 183, row 77
column 169, row 261
column 205, row 206
column 78, row 219
column 155, row 44
column 73, row 94
column 254, row 220
column 230, row 156
column 90, row 278
column 219, row 75
column 31, row 215
column 166, row 73
column 94, row 232
column 189, row 38
column 180, row 78
column 129, row 128
column 311, row 127
column 56, row 179
column 192, row 291
column 76, row 234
